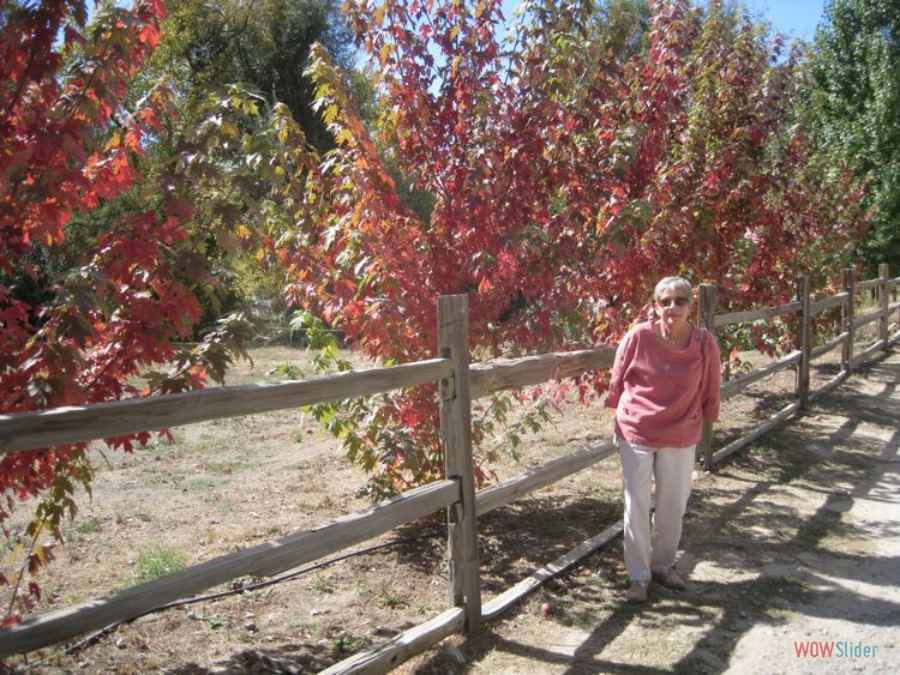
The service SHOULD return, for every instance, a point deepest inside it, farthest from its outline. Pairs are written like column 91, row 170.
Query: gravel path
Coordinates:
column 853, row 613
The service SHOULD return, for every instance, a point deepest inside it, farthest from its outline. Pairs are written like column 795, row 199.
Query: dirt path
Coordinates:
column 795, row 541
column 855, row 599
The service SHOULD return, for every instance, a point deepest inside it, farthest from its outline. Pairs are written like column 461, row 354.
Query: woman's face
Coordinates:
column 673, row 307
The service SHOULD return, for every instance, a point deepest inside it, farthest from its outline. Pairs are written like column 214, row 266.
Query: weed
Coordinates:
column 221, row 468
column 350, row 643
column 198, row 485
column 88, row 525
column 393, row 601
column 143, row 516
column 320, row 631
column 322, row 585
column 217, row 621
column 158, row 560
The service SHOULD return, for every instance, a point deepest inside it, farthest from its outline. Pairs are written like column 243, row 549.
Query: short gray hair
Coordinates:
column 679, row 284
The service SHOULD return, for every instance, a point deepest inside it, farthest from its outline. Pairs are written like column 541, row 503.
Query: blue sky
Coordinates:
column 794, row 18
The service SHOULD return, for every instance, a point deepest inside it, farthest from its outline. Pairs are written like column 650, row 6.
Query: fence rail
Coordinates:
column 737, row 385
column 459, row 382
column 488, row 378
column 28, row 431
column 756, row 314
column 836, row 300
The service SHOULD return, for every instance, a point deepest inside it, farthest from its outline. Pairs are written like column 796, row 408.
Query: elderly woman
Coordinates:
column 665, row 383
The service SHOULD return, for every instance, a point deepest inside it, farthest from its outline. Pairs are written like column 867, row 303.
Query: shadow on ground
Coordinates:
column 772, row 522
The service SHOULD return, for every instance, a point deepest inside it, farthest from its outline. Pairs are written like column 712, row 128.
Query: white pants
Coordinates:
column 655, row 549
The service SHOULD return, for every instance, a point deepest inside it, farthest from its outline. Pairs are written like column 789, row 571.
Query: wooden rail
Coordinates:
column 27, row 431
column 758, row 431
column 866, row 353
column 756, row 314
column 386, row 656
column 542, row 476
column 866, row 319
column 829, row 346
column 261, row 560
column 513, row 595
column 459, row 383
column 829, row 386
column 836, row 300
column 738, row 385
column 488, row 378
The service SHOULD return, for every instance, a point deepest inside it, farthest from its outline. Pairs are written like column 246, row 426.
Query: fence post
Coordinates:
column 706, row 318
column 883, row 277
column 456, row 433
column 849, row 314
column 804, row 339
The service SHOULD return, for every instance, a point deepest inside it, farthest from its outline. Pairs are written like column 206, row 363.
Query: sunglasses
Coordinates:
column 679, row 301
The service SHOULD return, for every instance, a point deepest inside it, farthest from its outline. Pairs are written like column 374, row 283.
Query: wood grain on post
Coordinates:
column 706, row 318
column 456, row 433
column 804, row 339
column 884, row 278
column 848, row 281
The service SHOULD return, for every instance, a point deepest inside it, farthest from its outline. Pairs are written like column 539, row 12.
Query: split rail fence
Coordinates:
column 459, row 383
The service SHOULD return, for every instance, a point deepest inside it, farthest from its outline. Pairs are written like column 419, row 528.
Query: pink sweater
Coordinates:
column 661, row 397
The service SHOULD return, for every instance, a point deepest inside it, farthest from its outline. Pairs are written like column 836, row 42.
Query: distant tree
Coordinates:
column 261, row 47
column 261, row 44
column 856, row 101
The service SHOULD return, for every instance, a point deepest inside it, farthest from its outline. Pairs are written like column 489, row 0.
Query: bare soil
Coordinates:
column 795, row 539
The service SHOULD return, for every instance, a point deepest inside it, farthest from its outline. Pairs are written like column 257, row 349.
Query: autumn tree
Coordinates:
column 570, row 168
column 72, row 142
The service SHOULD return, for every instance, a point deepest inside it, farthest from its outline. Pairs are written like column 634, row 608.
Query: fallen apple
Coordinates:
column 547, row 608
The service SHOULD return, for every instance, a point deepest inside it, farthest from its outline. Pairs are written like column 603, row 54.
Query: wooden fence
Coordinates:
column 459, row 383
